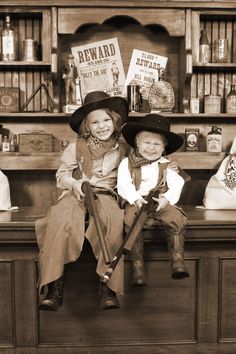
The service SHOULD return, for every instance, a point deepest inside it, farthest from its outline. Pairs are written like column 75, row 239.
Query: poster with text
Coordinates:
column 144, row 67
column 100, row 67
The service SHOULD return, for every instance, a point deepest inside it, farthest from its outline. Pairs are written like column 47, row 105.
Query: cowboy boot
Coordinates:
column 108, row 299
column 139, row 273
column 54, row 298
column 175, row 244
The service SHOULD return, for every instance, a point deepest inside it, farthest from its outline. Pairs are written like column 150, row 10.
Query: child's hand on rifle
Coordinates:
column 173, row 166
column 162, row 202
column 140, row 202
column 76, row 187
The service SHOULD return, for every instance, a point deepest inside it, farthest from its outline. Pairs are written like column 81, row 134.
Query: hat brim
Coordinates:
column 131, row 129
column 116, row 104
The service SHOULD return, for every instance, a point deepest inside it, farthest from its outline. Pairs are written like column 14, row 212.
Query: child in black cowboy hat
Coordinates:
column 94, row 157
column 151, row 139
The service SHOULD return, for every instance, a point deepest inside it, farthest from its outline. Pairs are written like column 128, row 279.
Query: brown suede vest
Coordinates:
column 84, row 158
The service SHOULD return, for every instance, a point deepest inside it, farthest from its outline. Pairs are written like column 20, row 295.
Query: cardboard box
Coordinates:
column 9, row 99
column 35, row 142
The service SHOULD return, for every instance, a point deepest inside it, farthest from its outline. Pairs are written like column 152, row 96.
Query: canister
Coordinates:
column 212, row 104
column 194, row 105
column 30, row 50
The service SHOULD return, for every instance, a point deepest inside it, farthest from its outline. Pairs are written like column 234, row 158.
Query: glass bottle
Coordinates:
column 8, row 41
column 214, row 140
column 161, row 95
column 12, row 142
column 5, row 144
column 204, row 48
column 231, row 100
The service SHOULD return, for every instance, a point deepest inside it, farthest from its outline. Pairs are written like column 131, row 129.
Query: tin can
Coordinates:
column 30, row 50
column 192, row 139
column 134, row 98
column 220, row 50
column 194, row 105
column 212, row 104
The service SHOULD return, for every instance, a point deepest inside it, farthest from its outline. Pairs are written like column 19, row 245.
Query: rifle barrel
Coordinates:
column 90, row 201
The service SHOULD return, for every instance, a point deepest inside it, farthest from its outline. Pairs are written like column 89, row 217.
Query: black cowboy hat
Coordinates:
column 97, row 100
column 155, row 123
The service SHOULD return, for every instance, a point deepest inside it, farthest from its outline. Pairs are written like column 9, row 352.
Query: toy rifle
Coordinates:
column 90, row 202
column 137, row 225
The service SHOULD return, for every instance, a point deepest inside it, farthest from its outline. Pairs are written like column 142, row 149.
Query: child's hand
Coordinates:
column 76, row 187
column 140, row 202
column 162, row 202
column 173, row 166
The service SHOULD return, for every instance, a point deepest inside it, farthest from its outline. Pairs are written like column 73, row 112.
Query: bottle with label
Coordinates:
column 214, row 140
column 231, row 100
column 204, row 48
column 8, row 41
column 5, row 144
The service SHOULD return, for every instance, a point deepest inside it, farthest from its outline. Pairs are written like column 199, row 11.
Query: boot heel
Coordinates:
column 54, row 298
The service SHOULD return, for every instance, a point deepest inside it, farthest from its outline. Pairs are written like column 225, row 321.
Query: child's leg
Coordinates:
column 139, row 273
column 60, row 238
column 174, row 222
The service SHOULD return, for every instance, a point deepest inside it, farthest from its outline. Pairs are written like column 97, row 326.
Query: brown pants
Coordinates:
column 171, row 217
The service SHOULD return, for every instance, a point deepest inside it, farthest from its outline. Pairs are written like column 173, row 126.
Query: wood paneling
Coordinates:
column 6, row 304
column 71, row 19
column 228, row 300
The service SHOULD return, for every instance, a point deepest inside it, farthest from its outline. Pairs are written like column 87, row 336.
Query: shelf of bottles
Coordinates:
column 24, row 39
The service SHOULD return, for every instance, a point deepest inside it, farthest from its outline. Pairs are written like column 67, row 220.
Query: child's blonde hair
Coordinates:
column 84, row 130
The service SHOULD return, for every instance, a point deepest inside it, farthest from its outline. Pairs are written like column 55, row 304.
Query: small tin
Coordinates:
column 30, row 50
column 192, row 139
column 212, row 104
column 194, row 105
column 220, row 50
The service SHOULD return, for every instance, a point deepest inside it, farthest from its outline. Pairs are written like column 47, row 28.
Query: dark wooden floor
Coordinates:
column 160, row 349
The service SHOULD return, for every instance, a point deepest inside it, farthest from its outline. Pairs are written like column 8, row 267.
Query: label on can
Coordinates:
column 192, row 139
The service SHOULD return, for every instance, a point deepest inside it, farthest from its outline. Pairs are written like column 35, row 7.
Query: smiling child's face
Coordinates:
column 100, row 124
column 150, row 145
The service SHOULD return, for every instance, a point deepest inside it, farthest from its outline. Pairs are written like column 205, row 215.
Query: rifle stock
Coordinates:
column 90, row 202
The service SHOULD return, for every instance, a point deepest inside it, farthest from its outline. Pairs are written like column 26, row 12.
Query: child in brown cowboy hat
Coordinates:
column 94, row 157
column 151, row 139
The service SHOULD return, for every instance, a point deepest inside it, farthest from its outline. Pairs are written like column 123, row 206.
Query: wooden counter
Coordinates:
column 195, row 313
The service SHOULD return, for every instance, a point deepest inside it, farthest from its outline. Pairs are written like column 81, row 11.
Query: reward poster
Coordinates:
column 100, row 67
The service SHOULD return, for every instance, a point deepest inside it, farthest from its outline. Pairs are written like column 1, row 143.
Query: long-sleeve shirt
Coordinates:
column 149, row 177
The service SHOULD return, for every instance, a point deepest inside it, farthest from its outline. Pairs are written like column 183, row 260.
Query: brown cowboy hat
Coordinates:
column 97, row 100
column 155, row 123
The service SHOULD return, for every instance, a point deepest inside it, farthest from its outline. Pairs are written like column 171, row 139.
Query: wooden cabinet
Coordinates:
column 149, row 27
column 214, row 78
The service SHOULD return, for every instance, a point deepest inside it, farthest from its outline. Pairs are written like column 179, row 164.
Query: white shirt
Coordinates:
column 149, row 177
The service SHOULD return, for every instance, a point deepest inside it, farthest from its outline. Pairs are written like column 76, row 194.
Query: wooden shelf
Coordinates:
column 51, row 161
column 20, row 65
column 32, row 115
column 214, row 67
column 198, row 160
column 34, row 161
column 187, row 115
